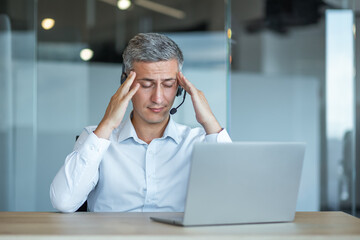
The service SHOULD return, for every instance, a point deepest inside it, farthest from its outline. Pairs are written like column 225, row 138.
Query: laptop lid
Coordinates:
column 240, row 182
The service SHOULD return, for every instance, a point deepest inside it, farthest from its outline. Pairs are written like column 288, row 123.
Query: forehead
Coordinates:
column 155, row 68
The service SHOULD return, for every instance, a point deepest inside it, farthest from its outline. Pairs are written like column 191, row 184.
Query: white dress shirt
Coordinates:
column 125, row 173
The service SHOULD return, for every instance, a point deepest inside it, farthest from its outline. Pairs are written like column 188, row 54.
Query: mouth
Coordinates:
column 156, row 110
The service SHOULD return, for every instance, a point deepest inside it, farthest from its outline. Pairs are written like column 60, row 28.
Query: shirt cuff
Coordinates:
column 221, row 137
column 94, row 146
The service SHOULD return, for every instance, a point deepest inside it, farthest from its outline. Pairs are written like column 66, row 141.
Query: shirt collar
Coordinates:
column 172, row 131
column 126, row 130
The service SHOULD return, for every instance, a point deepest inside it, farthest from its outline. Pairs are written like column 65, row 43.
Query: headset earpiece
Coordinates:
column 179, row 91
column 123, row 78
column 123, row 75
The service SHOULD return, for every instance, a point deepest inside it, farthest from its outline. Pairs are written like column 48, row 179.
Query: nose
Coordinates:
column 157, row 95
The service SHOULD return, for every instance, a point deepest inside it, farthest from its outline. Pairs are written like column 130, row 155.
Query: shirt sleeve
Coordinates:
column 79, row 174
column 221, row 137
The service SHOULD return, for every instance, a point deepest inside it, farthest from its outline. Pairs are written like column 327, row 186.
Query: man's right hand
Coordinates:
column 117, row 107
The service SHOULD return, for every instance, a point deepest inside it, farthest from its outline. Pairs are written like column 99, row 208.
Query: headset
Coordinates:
column 178, row 93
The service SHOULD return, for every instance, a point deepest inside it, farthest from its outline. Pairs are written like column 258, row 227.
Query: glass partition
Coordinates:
column 292, row 79
column 6, row 119
column 340, row 109
column 18, row 122
column 277, row 74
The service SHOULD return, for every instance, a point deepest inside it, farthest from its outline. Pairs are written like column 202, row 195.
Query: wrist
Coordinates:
column 212, row 126
column 103, row 130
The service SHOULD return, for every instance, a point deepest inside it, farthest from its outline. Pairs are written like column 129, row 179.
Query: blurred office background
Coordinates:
column 272, row 70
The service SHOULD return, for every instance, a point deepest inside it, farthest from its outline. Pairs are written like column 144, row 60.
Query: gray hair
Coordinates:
column 151, row 47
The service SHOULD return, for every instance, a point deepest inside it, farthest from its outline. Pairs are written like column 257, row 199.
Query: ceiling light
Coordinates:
column 123, row 4
column 86, row 54
column 47, row 23
column 160, row 8
column 229, row 33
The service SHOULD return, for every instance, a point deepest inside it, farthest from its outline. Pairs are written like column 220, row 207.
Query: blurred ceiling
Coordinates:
column 103, row 27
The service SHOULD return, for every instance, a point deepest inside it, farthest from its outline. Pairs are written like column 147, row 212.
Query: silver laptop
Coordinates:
column 237, row 183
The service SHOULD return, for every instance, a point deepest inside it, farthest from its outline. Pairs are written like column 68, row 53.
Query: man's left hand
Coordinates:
column 202, row 109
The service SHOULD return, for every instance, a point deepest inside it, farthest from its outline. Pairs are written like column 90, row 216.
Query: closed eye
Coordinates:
column 144, row 85
column 168, row 85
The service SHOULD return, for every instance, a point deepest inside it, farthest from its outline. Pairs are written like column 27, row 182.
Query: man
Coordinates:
column 139, row 163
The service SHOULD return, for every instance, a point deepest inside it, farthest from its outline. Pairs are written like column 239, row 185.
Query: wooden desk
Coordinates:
column 44, row 225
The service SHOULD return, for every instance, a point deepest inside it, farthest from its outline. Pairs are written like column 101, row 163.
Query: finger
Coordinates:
column 179, row 76
column 132, row 92
column 186, row 84
column 130, row 79
column 128, row 82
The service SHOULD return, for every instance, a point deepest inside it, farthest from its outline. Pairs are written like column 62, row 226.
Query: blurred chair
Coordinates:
column 345, row 171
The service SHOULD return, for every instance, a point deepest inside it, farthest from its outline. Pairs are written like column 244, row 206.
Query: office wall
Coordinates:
column 280, row 108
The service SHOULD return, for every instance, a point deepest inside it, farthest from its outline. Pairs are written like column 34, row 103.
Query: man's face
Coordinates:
column 158, row 87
